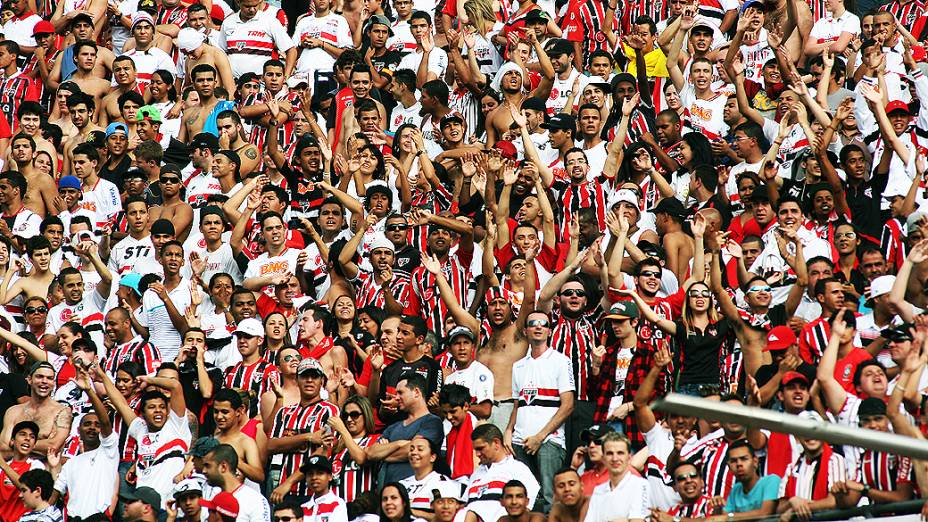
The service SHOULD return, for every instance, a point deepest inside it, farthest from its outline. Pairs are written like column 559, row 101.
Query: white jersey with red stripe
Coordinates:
column 327, row 507
column 537, row 385
column 705, row 115
column 147, row 62
column 161, row 453
column 660, row 446
column 420, row 490
column 253, row 42
column 129, row 252
column 332, row 29
column 402, row 39
column 485, row 489
column 102, row 200
column 88, row 313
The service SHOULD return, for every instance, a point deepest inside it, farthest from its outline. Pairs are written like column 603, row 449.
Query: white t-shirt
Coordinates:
column 221, row 260
column 161, row 454
column 266, row 265
column 331, row 28
column 90, row 478
column 705, row 115
column 126, row 254
column 438, row 62
column 154, row 315
column 829, row 28
column 401, row 115
column 630, row 499
column 537, row 385
column 252, row 506
column 103, row 201
column 561, row 90
column 477, row 378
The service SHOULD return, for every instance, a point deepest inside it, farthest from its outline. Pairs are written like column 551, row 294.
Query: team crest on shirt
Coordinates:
column 428, row 294
column 337, row 467
column 401, row 262
column 529, row 394
column 423, row 372
column 847, row 372
column 240, row 45
column 554, row 93
column 66, row 315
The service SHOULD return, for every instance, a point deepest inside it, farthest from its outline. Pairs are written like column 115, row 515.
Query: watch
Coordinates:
column 866, row 491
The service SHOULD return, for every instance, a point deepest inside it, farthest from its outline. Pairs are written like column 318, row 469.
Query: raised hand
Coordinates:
column 699, row 225
column 871, row 94
column 629, row 105
column 431, row 264
column 517, row 117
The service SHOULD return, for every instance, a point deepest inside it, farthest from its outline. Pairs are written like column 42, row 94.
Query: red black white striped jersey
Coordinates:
column 574, row 196
column 137, row 350
column 14, row 90
column 905, row 12
column 813, row 339
column 883, row 471
column 891, row 243
column 295, row 420
column 176, row 15
column 370, row 293
column 709, row 454
column 576, row 339
column 584, row 23
column 127, row 445
column 701, row 508
column 819, row 10
column 327, row 507
column 352, row 478
column 424, row 299
column 802, row 476
column 436, row 200
column 256, row 377
column 716, row 9
column 258, row 134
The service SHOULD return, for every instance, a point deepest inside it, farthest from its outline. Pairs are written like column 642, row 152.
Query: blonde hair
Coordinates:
column 481, row 14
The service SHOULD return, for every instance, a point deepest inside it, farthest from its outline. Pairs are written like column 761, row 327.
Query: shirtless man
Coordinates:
column 316, row 344
column 85, row 57
column 203, row 77
column 512, row 79
column 781, row 20
column 173, row 207
column 669, row 216
column 228, row 410
column 197, row 50
column 30, row 115
column 63, row 120
column 81, row 107
column 53, row 418
column 125, row 74
column 232, row 137
column 36, row 283
column 82, row 29
column 569, row 500
column 41, row 190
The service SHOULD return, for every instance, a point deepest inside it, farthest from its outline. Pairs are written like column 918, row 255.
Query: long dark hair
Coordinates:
column 700, row 147
column 625, row 170
column 404, row 495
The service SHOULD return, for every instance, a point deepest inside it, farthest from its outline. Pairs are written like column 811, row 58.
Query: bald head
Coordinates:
column 713, row 219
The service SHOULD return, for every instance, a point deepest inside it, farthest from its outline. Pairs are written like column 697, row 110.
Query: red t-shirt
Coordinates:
column 11, row 504
column 846, row 366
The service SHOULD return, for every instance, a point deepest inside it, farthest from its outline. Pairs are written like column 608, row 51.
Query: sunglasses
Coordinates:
column 571, row 292
column 394, row 228
column 169, row 180
column 36, row 309
column 759, row 289
column 284, row 519
column 688, row 476
column 291, row 358
column 649, row 273
column 849, row 235
column 700, row 293
column 537, row 322
column 352, row 414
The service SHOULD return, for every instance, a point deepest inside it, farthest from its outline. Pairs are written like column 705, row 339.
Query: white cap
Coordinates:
column 626, row 195
column 187, row 486
column 250, row 326
column 189, row 39
column 810, row 415
column 297, row 79
column 881, row 285
column 447, row 489
column 381, row 241
column 896, row 188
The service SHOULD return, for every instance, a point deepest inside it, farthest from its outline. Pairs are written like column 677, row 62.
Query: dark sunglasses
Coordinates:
column 571, row 292
column 169, row 180
column 36, row 309
column 291, row 358
column 537, row 322
column 687, row 476
column 284, row 519
column 352, row 414
column 649, row 273
column 394, row 228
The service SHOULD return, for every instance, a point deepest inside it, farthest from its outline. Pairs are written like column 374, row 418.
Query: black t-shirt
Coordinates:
column 12, row 387
column 306, row 196
column 699, row 351
column 767, row 371
column 390, row 376
column 406, row 260
column 115, row 174
column 190, row 380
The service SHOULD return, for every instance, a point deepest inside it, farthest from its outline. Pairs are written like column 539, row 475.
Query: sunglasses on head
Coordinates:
column 571, row 292
column 36, row 309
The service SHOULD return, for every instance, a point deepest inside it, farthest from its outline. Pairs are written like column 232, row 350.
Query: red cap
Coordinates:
column 788, row 378
column 779, row 338
column 897, row 105
column 43, row 26
column 506, row 149
column 223, row 503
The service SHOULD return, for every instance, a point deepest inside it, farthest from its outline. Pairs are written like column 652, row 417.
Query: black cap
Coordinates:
column 671, row 206
column 205, row 140
column 595, row 432
column 148, row 6
column 96, row 138
column 535, row 104
column 82, row 17
column 760, row 194
column 448, row 118
column 316, row 462
column 134, row 174
column 233, row 157
column 871, row 406
column 623, row 77
column 652, row 249
column 145, row 495
column 559, row 46
column 897, row 333
column 560, row 121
